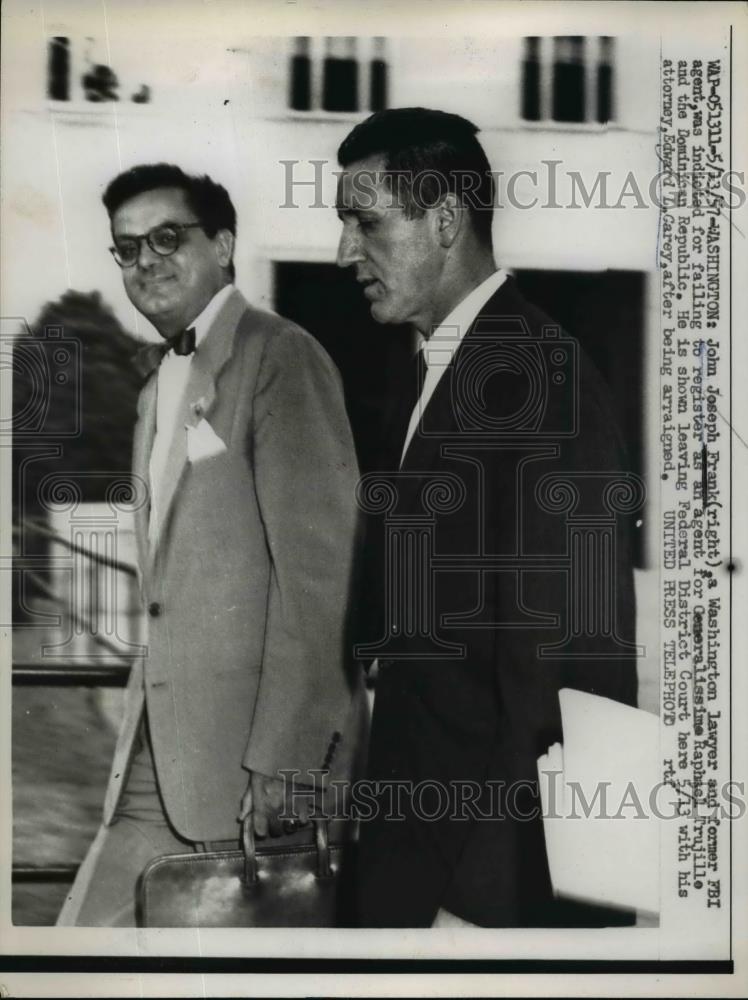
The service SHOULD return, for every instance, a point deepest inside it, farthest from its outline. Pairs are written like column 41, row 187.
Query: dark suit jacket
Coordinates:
column 510, row 473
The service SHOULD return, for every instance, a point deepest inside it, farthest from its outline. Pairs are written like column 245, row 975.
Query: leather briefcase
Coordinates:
column 266, row 886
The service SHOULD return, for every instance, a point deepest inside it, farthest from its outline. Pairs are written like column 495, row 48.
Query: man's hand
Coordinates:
column 265, row 798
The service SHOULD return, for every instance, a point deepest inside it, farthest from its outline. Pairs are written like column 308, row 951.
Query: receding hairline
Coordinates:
column 148, row 191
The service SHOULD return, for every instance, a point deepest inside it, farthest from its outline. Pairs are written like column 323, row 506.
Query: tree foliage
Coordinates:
column 74, row 387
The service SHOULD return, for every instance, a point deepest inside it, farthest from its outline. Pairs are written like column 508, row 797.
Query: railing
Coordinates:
column 61, row 673
column 99, row 625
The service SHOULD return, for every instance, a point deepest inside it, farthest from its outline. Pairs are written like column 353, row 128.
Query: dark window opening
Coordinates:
column 605, row 110
column 340, row 76
column 301, row 76
column 568, row 79
column 327, row 302
column 58, row 69
column 531, row 80
column 378, row 77
column 605, row 312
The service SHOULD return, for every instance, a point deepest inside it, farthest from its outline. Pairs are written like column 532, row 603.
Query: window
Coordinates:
column 606, row 312
column 75, row 73
column 328, row 303
column 568, row 79
column 340, row 74
column 58, row 69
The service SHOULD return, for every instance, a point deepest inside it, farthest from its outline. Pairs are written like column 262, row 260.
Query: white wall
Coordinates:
column 218, row 106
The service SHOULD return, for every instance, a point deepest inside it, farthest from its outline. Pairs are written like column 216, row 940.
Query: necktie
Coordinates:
column 149, row 358
column 408, row 397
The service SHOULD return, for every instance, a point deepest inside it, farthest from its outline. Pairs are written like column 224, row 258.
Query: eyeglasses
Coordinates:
column 163, row 240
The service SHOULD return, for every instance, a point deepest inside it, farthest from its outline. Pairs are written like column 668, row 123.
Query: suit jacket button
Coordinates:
column 154, row 609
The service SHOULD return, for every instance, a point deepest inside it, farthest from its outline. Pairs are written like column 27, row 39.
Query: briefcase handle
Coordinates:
column 324, row 868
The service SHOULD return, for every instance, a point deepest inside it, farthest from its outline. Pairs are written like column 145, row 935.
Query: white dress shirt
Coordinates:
column 440, row 348
column 173, row 375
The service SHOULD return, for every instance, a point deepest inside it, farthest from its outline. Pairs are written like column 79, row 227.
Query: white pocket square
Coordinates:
column 203, row 442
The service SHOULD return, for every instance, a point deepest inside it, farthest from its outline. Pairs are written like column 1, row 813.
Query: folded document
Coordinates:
column 602, row 833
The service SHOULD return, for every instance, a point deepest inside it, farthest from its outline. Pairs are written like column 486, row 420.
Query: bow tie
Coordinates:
column 149, row 358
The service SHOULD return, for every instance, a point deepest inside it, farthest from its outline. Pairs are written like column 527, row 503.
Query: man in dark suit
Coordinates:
column 498, row 566
column 246, row 472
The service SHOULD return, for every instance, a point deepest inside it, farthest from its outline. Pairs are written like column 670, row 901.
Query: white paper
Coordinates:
column 601, row 834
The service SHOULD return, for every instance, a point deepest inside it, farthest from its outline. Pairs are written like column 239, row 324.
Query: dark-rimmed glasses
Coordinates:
column 163, row 240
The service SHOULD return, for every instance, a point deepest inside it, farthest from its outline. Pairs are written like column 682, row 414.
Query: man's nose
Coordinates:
column 146, row 256
column 349, row 251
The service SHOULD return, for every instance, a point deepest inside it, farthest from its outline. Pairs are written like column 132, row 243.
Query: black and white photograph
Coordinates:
column 373, row 462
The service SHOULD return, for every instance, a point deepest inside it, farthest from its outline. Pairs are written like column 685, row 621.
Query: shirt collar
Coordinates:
column 446, row 338
column 204, row 321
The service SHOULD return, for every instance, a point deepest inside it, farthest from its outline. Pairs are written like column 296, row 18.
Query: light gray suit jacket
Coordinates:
column 247, row 580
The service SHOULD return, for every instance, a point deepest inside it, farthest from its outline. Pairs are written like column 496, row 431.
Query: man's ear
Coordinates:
column 449, row 219
column 224, row 241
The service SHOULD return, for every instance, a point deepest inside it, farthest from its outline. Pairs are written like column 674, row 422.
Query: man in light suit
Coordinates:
column 501, row 454
column 246, row 547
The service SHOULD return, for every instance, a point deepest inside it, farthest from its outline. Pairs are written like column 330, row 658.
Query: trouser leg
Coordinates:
column 103, row 894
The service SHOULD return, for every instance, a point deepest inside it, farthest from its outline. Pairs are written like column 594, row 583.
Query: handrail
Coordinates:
column 44, row 873
column 101, row 640
column 59, row 673
column 45, row 532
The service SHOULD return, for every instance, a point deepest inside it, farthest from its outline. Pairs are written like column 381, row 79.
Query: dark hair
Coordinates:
column 436, row 151
column 209, row 201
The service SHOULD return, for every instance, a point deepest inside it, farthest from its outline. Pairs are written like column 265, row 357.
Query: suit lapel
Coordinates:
column 198, row 400
column 142, row 445
column 436, row 422
column 439, row 422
